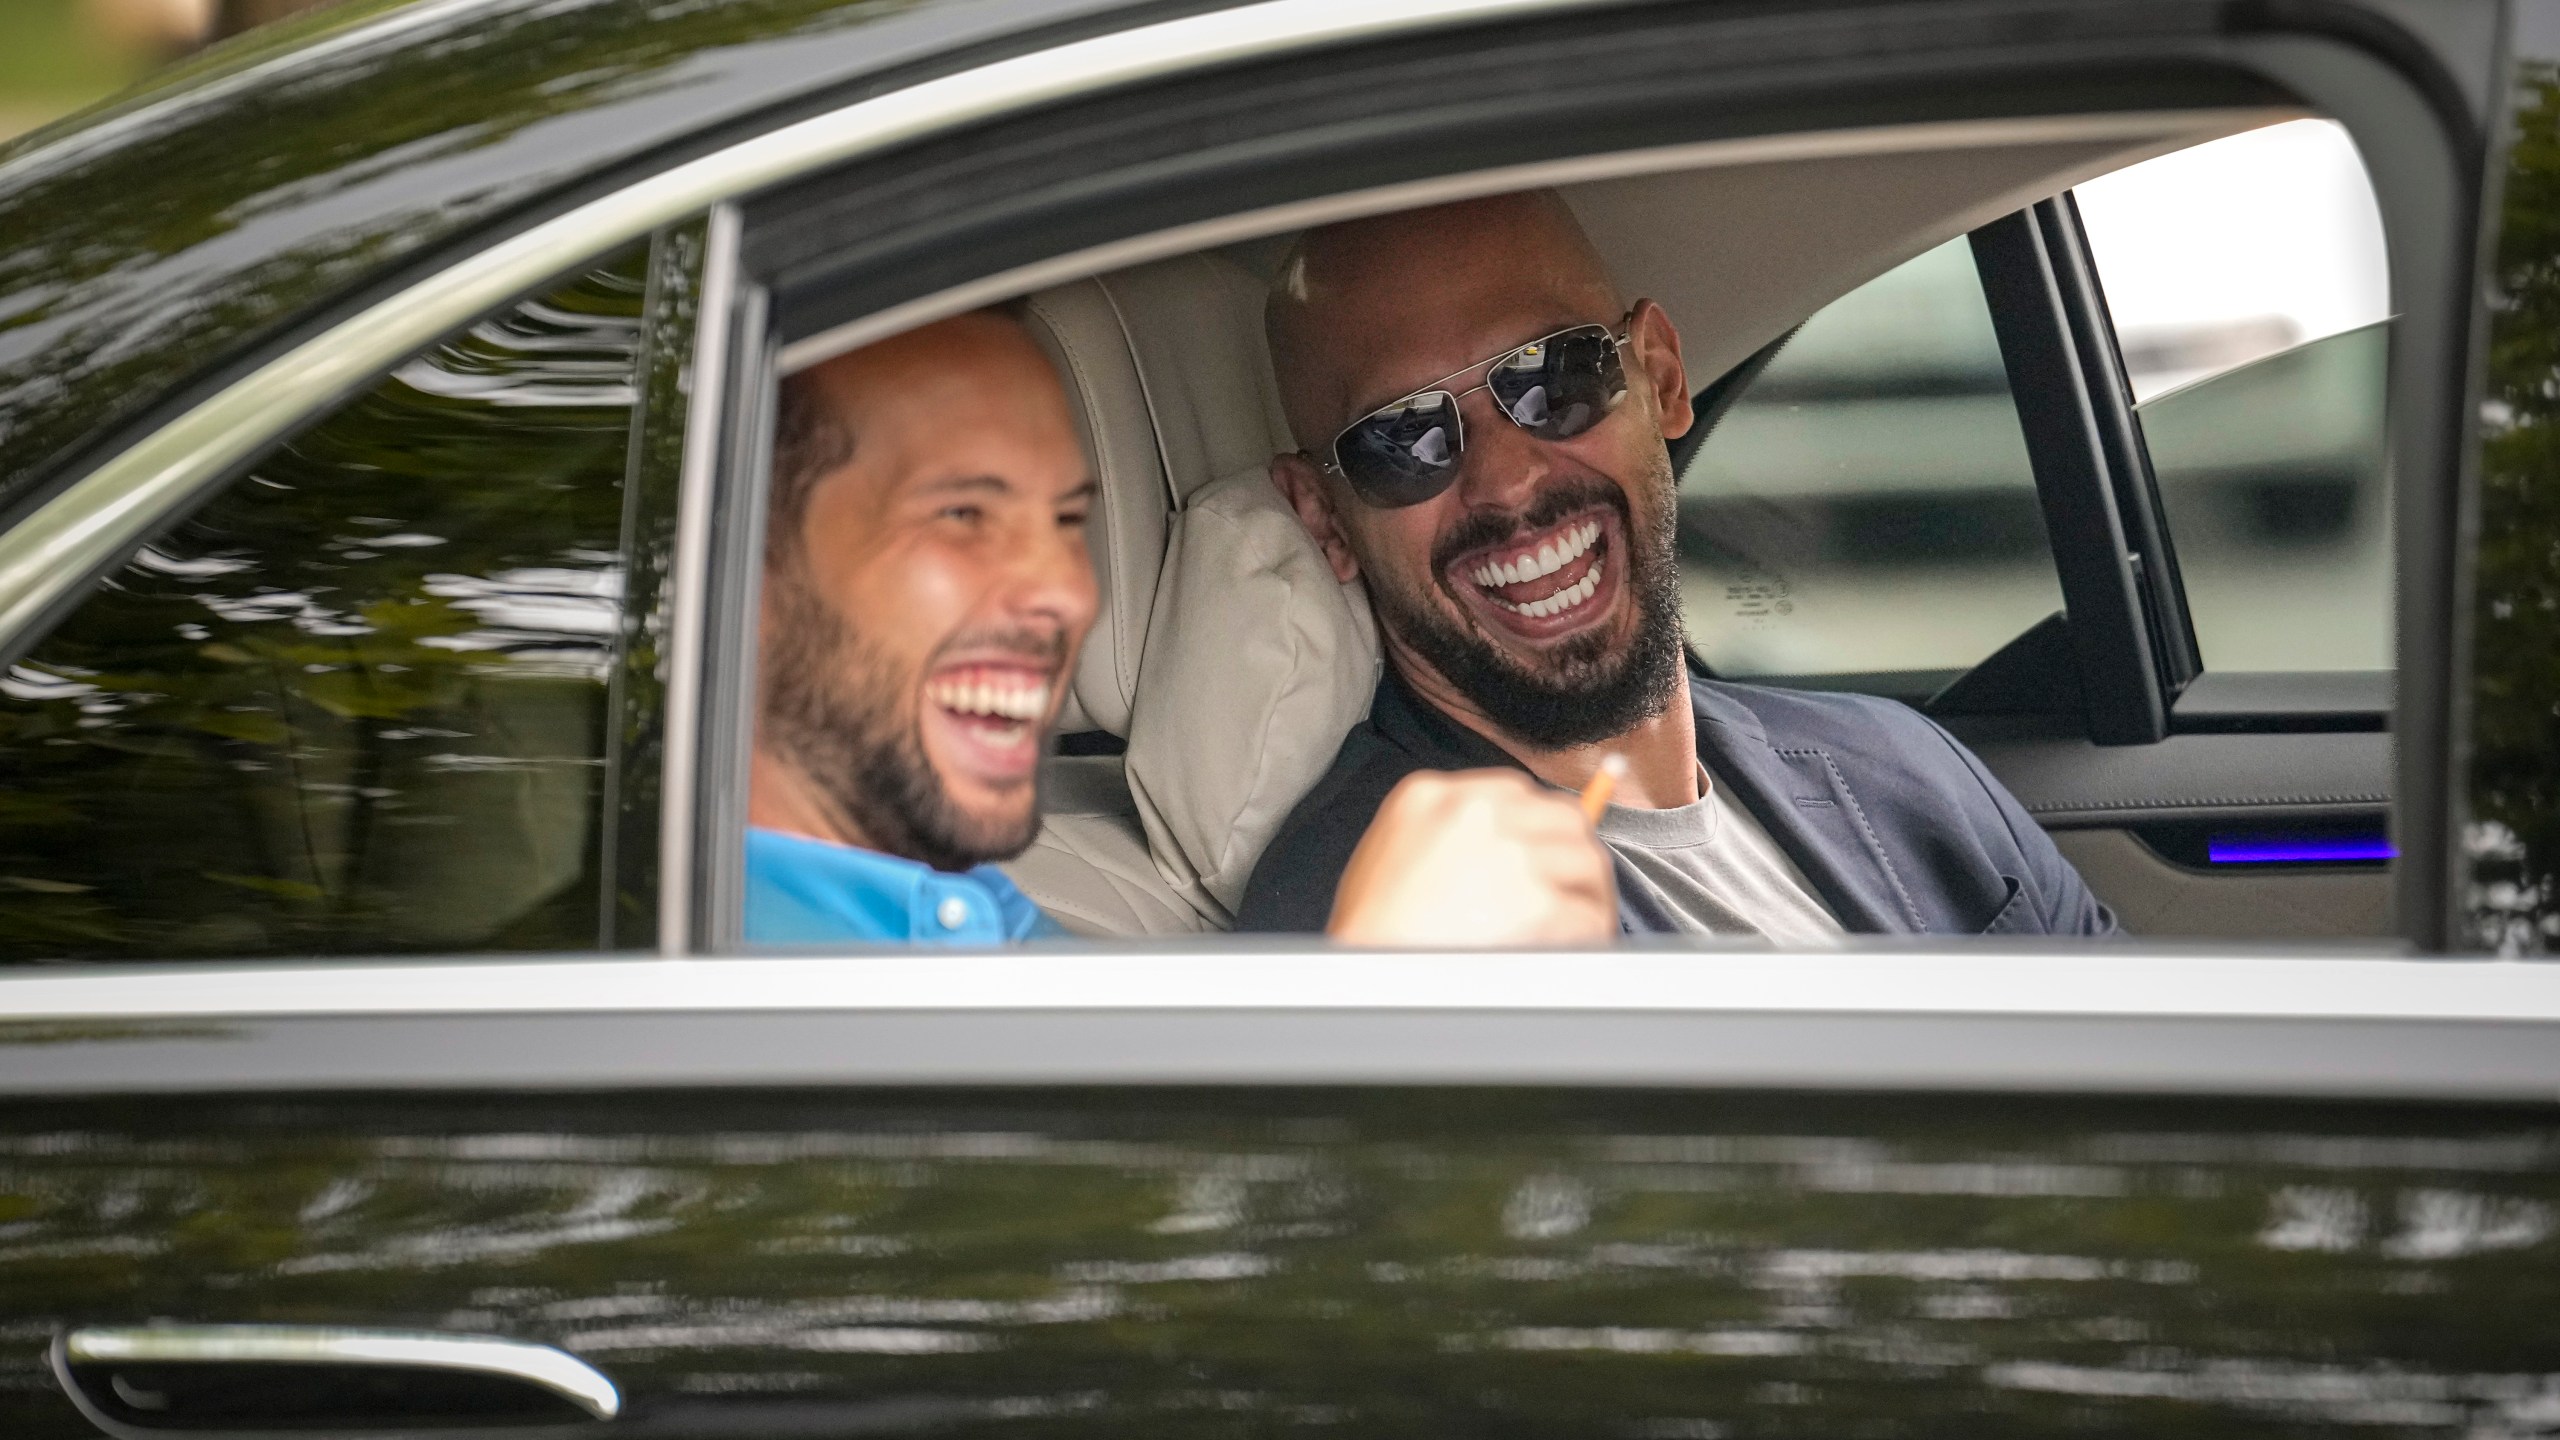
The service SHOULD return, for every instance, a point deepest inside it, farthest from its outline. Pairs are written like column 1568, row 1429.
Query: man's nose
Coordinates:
column 1052, row 580
column 1504, row 464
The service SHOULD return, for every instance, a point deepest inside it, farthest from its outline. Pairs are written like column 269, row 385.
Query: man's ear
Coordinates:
column 1656, row 343
column 1302, row 485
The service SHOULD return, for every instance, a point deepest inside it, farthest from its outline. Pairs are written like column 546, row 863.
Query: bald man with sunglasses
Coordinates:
column 1483, row 422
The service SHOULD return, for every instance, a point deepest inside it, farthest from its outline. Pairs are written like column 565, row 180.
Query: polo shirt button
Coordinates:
column 953, row 912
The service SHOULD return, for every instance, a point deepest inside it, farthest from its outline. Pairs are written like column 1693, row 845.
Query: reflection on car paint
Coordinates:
column 2511, row 904
column 189, row 223
column 355, row 702
column 1195, row 1262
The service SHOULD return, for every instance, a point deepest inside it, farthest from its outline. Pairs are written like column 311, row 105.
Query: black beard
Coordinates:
column 1585, row 691
column 832, row 707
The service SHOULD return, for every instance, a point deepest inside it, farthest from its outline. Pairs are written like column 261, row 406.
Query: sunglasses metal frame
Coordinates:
column 1331, row 461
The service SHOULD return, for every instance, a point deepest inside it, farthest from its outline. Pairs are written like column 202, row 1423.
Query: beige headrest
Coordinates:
column 1256, row 660
column 1171, row 387
column 1258, row 663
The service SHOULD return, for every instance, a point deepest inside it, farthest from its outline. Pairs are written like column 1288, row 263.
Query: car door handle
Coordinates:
column 239, row 1380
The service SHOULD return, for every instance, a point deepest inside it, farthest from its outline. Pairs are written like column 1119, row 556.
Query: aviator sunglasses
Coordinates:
column 1555, row 387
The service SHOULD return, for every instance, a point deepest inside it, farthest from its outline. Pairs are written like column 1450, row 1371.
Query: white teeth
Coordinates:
column 1561, row 601
column 1551, row 557
column 1019, row 703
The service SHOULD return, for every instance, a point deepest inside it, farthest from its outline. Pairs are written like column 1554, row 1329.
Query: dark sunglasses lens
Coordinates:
column 1404, row 454
column 1562, row 385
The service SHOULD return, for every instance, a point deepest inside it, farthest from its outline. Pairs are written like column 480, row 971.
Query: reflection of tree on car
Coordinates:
column 2515, row 835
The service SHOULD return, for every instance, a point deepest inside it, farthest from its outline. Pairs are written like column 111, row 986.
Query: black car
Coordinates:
column 385, row 412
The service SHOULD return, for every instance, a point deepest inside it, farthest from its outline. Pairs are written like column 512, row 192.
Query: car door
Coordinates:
column 1184, row 1191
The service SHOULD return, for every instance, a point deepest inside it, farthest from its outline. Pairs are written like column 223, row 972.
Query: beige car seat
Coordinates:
column 1225, row 653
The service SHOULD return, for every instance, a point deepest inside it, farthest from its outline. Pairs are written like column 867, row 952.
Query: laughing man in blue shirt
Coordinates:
column 927, row 588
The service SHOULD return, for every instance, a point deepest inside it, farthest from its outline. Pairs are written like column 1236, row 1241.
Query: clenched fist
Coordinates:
column 1476, row 857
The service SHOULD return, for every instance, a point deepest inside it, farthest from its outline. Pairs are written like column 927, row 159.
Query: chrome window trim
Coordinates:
column 1877, row 979
column 114, row 506
column 1881, row 1018
column 690, row 582
column 545, row 1367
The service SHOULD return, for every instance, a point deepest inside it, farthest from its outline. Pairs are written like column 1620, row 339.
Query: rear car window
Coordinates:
column 2248, row 285
column 1865, row 512
column 356, row 702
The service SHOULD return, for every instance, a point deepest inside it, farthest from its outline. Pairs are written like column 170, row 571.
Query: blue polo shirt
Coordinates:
column 812, row 892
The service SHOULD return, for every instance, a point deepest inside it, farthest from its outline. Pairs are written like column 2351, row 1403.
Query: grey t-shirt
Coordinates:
column 1711, row 867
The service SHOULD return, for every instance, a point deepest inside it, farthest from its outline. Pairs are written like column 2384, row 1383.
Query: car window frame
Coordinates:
column 786, row 249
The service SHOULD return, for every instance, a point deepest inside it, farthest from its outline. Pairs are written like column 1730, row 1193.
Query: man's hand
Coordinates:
column 1476, row 857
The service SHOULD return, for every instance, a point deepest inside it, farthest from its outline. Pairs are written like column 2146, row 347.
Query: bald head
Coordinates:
column 1361, row 308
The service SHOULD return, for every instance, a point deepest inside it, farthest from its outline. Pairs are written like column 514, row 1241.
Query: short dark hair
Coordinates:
column 809, row 440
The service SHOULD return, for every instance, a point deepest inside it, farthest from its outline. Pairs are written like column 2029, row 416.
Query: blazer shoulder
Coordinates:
column 1292, row 884
column 1791, row 719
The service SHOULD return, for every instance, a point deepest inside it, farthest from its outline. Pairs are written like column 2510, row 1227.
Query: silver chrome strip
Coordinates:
column 2092, row 1035
column 2170, row 128
column 690, row 581
column 115, row 506
column 552, row 1370
column 1884, row 980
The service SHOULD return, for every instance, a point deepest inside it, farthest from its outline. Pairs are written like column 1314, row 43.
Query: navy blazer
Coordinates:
column 1898, row 827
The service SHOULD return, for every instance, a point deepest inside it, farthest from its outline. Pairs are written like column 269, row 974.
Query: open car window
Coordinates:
column 1862, row 510
column 1867, row 501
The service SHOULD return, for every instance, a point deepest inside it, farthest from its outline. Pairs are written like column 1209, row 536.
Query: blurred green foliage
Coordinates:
column 2515, row 762
column 53, row 60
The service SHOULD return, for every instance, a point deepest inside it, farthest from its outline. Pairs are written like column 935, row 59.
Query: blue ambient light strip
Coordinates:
column 2297, row 849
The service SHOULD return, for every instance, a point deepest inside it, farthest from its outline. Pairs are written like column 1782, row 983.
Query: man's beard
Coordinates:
column 1585, row 690
column 845, row 715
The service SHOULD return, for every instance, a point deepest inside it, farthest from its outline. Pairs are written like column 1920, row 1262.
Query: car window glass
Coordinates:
column 355, row 703
column 1865, row 509
column 2247, row 284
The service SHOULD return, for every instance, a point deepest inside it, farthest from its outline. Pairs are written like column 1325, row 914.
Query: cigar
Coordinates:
column 1595, row 796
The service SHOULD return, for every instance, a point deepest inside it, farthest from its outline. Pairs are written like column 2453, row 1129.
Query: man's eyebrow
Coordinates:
column 1086, row 491
column 967, row 485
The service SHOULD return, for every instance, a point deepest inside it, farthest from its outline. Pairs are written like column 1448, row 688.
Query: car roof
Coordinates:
column 152, row 246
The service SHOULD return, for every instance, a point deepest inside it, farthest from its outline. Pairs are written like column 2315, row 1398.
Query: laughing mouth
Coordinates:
column 1528, row 567
column 1003, row 703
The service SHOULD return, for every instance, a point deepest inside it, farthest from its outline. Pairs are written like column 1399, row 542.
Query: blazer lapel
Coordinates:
column 1800, row 797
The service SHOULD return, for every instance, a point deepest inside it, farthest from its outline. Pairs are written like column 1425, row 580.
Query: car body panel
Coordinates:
column 1655, row 1195
column 214, row 215
column 1181, row 1262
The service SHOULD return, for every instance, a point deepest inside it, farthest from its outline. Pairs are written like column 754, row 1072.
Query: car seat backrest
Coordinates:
column 1079, row 326
column 1225, row 653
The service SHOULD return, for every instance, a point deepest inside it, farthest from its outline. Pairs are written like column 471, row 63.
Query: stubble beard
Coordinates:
column 845, row 716
column 1585, row 689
